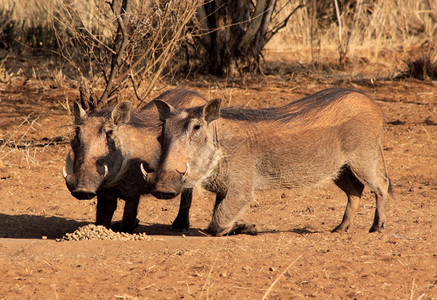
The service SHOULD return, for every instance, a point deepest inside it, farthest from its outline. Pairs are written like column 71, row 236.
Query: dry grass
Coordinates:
column 269, row 290
column 129, row 49
column 5, row 74
column 423, row 68
column 383, row 35
column 17, row 143
column 389, row 25
column 29, row 24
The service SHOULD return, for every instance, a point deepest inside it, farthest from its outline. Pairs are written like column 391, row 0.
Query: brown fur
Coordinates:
column 120, row 139
column 332, row 135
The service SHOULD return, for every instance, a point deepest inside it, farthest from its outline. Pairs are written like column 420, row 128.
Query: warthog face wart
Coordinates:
column 96, row 157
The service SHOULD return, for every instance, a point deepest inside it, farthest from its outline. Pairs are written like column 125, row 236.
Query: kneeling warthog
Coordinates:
column 332, row 135
column 106, row 153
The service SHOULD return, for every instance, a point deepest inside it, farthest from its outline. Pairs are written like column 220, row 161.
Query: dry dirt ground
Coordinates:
column 296, row 256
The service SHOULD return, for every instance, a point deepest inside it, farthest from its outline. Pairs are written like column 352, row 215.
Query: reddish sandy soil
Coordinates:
column 296, row 256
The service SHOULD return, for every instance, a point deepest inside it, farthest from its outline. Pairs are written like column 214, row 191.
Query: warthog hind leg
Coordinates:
column 353, row 188
column 379, row 185
column 381, row 192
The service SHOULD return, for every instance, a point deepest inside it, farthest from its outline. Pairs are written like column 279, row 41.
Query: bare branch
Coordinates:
column 117, row 58
column 284, row 22
column 337, row 13
column 24, row 144
column 131, row 75
column 202, row 17
column 165, row 57
column 356, row 18
column 129, row 44
column 255, row 24
column 96, row 39
column 266, row 20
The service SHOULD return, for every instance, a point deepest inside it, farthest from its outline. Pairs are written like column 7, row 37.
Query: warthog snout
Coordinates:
column 164, row 195
column 82, row 194
column 79, row 184
column 167, row 184
column 167, row 187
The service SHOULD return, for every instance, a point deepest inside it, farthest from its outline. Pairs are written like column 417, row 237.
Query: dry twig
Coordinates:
column 269, row 290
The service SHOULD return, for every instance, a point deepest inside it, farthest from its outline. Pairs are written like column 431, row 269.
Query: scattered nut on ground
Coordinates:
column 93, row 232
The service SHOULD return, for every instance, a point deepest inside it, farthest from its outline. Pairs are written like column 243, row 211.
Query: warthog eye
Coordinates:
column 194, row 131
column 76, row 140
column 109, row 138
column 109, row 133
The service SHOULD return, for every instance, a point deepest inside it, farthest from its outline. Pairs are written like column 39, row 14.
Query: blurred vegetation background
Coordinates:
column 112, row 46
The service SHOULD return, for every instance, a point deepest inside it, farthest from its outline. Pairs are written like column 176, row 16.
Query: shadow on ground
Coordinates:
column 166, row 229
column 35, row 227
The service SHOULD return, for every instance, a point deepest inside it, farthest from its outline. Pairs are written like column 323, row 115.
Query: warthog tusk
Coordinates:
column 106, row 171
column 143, row 171
column 64, row 173
column 185, row 174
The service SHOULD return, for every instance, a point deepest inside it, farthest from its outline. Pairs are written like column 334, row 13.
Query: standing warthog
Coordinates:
column 106, row 153
column 331, row 135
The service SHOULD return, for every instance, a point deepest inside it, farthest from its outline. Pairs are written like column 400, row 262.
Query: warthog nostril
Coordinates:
column 83, row 195
column 164, row 195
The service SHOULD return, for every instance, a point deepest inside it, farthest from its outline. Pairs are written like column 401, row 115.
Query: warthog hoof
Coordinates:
column 180, row 225
column 244, row 229
column 377, row 227
column 340, row 229
column 240, row 228
column 116, row 226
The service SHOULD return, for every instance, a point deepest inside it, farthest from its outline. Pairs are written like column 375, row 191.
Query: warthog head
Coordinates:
column 96, row 157
column 189, row 152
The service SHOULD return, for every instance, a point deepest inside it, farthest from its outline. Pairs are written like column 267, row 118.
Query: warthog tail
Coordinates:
column 389, row 186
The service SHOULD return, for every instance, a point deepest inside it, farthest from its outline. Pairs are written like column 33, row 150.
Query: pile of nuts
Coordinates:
column 93, row 232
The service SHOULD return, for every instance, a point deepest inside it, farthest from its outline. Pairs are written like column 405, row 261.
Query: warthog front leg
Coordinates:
column 182, row 221
column 106, row 206
column 227, row 211
column 130, row 221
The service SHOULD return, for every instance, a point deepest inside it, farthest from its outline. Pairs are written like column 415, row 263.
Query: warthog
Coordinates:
column 332, row 135
column 107, row 150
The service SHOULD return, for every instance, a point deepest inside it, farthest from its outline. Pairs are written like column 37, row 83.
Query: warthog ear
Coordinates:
column 211, row 110
column 164, row 109
column 79, row 113
column 121, row 113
